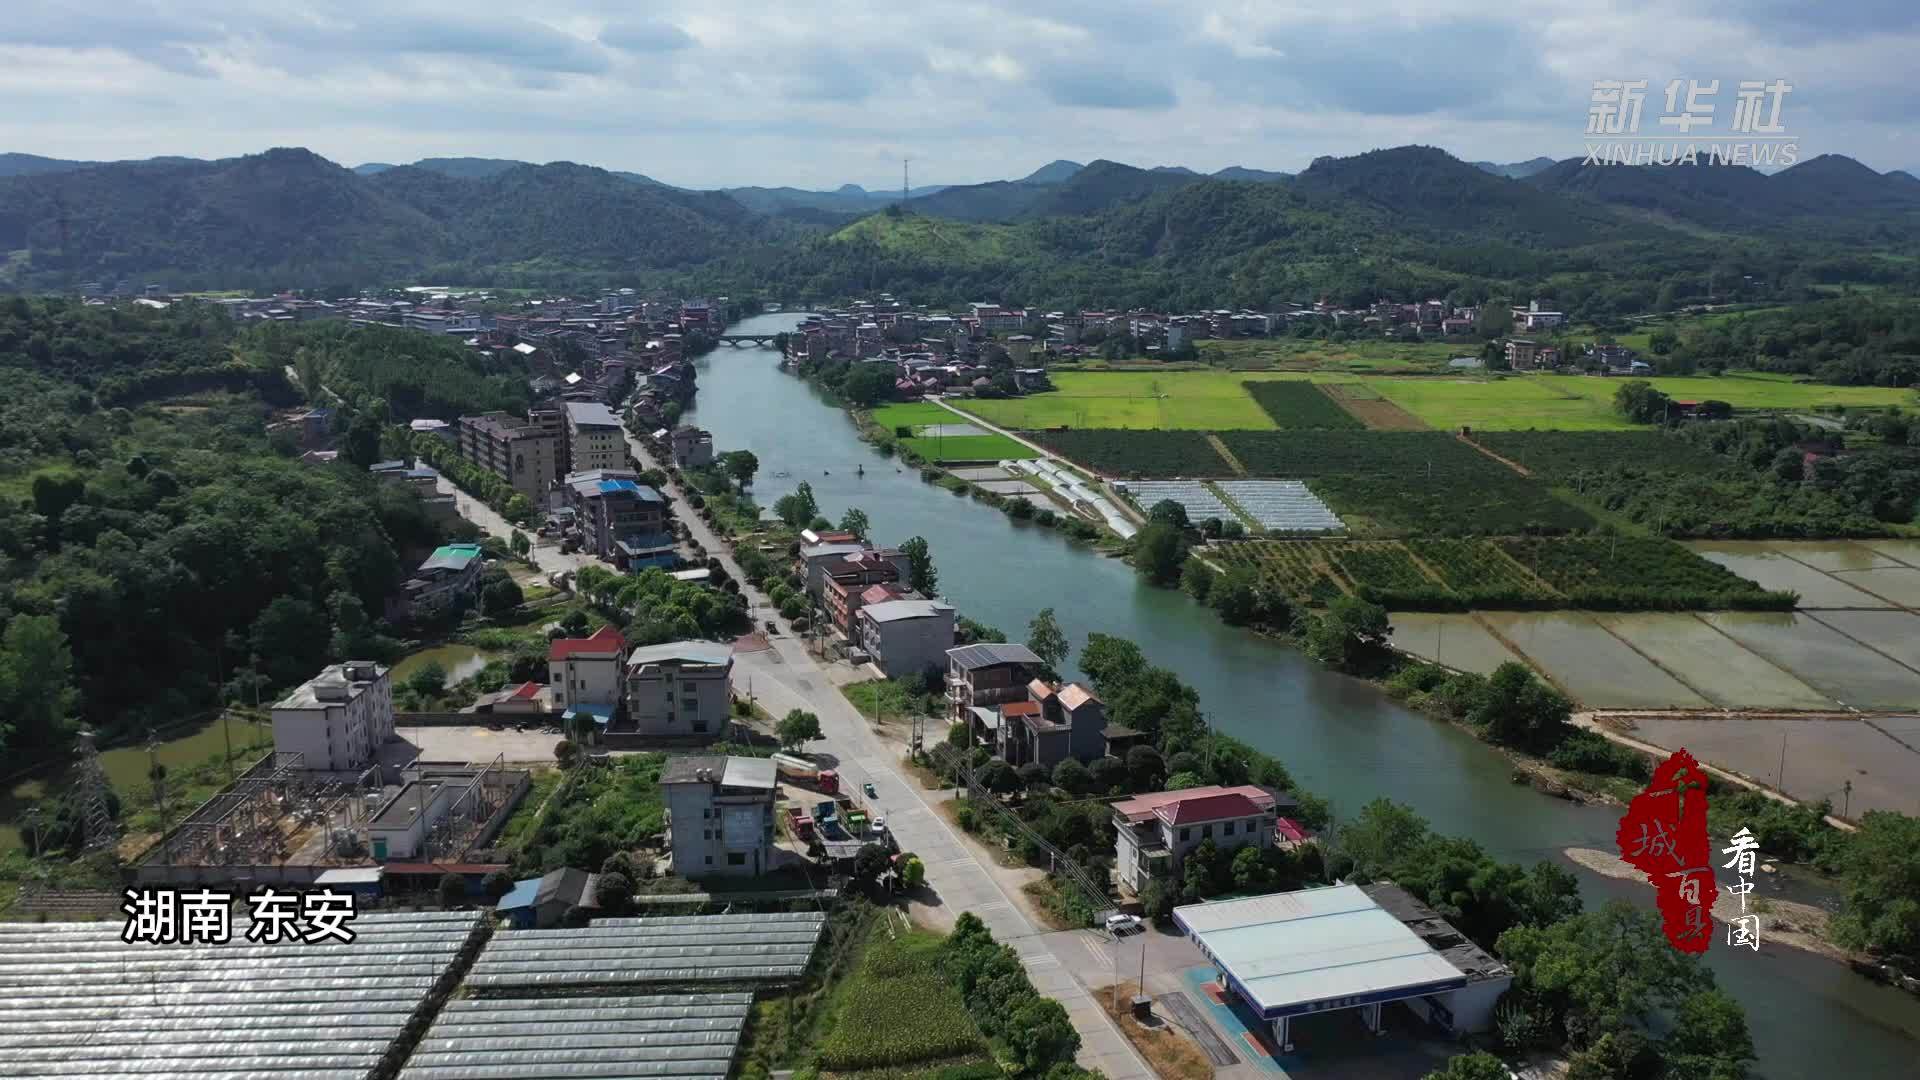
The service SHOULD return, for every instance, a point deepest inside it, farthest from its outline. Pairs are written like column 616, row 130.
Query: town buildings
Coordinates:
column 449, row 578
column 337, row 720
column 595, row 437
column 720, row 815
column 1156, row 831
column 525, row 454
column 536, row 903
column 588, row 675
column 984, row 676
column 680, row 689
column 844, row 583
column 691, row 447
column 619, row 519
column 1533, row 317
column 905, row 638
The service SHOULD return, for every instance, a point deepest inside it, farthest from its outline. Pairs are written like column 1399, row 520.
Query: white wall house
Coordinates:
column 680, row 688
column 338, row 719
column 720, row 815
column 906, row 637
column 588, row 671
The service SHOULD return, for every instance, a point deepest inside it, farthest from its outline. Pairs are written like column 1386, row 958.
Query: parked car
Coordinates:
column 1120, row 925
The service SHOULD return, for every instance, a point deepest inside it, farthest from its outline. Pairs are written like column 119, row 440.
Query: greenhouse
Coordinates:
column 681, row 950
column 686, row 1036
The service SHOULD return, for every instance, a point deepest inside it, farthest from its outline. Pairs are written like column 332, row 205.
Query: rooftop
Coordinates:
column 898, row 610
column 712, row 653
column 607, row 639
column 334, row 685
column 455, row 557
column 987, row 654
column 730, row 771
column 1288, row 952
column 1141, row 807
column 591, row 414
column 1074, row 695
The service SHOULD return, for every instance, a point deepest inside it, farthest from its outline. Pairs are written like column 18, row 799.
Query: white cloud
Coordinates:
column 822, row 92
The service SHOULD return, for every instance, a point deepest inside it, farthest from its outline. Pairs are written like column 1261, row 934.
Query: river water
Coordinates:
column 1339, row 737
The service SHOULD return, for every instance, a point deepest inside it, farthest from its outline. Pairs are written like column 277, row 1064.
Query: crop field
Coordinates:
column 1637, row 574
column 1162, row 400
column 1366, row 405
column 896, row 1010
column 1305, row 354
column 1299, row 568
column 968, row 448
column 1743, row 390
column 1498, row 574
column 1557, row 455
column 1138, row 453
column 1399, row 483
column 1513, row 403
column 913, row 414
column 1483, row 575
column 1299, row 405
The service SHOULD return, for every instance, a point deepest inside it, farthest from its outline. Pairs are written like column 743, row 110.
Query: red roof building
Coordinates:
column 1156, row 831
column 605, row 641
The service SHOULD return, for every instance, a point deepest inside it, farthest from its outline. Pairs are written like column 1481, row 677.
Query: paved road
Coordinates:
column 546, row 554
column 787, row 677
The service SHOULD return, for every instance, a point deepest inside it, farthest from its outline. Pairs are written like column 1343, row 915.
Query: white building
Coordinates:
column 588, row 673
column 720, row 815
column 1533, row 317
column 595, row 439
column 1289, row 956
column 1155, row 832
column 906, row 637
column 680, row 688
column 338, row 719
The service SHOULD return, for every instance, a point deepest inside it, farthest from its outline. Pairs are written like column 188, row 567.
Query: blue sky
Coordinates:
column 719, row 92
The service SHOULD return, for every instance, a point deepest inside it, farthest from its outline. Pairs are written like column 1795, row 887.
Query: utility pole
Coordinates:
column 906, row 192
column 1846, row 792
column 1780, row 778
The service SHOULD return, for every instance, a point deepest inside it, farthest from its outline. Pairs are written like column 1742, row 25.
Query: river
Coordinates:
column 1339, row 737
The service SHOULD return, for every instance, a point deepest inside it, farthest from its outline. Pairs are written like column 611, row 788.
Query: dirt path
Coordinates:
column 1783, row 922
column 1508, row 462
column 1226, row 454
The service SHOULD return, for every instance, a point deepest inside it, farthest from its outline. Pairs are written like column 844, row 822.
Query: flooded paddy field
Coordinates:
column 1711, row 663
column 1457, row 641
column 1589, row 663
column 1895, row 633
column 1826, row 659
column 1821, row 756
column 1772, row 565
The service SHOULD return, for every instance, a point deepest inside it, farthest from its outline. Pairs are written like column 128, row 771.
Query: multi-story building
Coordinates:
column 595, row 438
column 683, row 688
column 720, row 815
column 588, row 674
column 1534, row 317
column 906, row 638
column 611, row 507
column 522, row 452
column 984, row 676
column 1156, row 831
column 843, row 583
column 1052, row 725
column 692, row 447
column 449, row 577
column 338, row 719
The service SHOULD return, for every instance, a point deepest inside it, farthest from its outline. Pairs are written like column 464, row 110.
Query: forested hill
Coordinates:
column 290, row 217
column 1827, row 196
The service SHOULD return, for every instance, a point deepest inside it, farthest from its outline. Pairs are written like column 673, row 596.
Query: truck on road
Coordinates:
column 798, row 770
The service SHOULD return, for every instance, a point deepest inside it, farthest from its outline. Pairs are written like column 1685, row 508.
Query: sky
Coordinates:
column 712, row 93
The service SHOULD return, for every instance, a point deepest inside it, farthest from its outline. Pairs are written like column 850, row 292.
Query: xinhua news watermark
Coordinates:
column 1691, row 128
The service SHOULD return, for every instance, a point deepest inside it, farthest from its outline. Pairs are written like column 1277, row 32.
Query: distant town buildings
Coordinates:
column 515, row 449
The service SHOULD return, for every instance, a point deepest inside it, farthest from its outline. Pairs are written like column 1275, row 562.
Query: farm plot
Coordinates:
column 1284, row 506
column 1385, row 573
column 1138, row 453
column 1366, row 405
column 1640, row 574
column 1298, row 568
column 967, row 448
column 1195, row 498
column 1482, row 575
column 1299, row 405
column 1559, row 455
column 897, row 1010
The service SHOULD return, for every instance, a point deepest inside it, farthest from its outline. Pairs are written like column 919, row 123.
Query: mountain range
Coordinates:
column 1410, row 219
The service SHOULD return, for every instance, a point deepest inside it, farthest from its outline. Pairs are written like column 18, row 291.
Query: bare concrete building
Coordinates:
column 683, row 688
column 720, row 815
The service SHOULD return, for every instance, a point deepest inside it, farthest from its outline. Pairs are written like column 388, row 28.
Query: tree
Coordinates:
column 1601, row 971
column 997, row 776
column 798, row 728
column 1478, row 1065
column 1639, row 402
column 1039, row 1033
column 869, row 863
column 1181, row 781
column 799, row 508
column 1880, row 885
column 1383, row 833
column 362, row 446
column 1158, row 551
column 1072, row 775
column 1250, row 870
column 854, row 521
column 1350, row 636
column 913, row 872
column 1710, row 1039
column 1046, row 639
column 291, row 635
column 36, row 684
column 1145, row 768
column 518, row 509
column 741, row 465
column 614, row 893
column 1519, row 710
column 429, row 680
column 1168, row 512
column 495, row 885
column 566, row 753
column 501, row 597
column 1158, row 901
column 452, row 891
column 868, row 384
column 1197, row 579
column 519, row 544
column 922, row 577
column 1235, row 595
